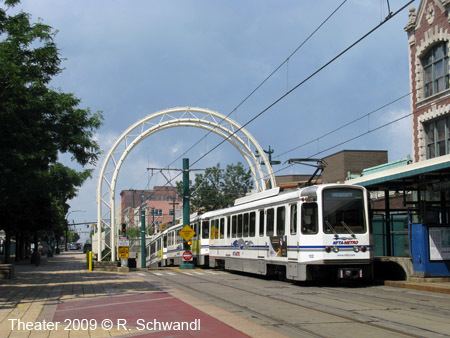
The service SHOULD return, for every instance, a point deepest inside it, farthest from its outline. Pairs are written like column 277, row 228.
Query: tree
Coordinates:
column 37, row 125
column 217, row 188
column 72, row 236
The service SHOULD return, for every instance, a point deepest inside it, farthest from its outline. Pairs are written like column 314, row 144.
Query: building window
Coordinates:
column 435, row 68
column 437, row 137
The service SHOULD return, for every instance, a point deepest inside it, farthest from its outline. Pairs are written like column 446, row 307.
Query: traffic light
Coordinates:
column 187, row 245
column 124, row 229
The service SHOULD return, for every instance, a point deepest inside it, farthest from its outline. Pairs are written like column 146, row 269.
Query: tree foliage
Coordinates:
column 217, row 188
column 37, row 125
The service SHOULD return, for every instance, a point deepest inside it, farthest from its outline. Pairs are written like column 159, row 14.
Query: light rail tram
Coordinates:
column 316, row 232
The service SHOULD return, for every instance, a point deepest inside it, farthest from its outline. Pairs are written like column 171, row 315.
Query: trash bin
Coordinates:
column 132, row 263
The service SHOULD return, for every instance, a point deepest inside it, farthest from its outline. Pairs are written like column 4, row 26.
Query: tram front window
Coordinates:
column 343, row 211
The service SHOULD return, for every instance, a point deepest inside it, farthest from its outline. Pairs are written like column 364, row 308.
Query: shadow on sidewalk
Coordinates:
column 65, row 277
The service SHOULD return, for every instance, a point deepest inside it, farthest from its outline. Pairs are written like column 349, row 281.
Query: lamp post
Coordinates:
column 67, row 225
column 143, row 258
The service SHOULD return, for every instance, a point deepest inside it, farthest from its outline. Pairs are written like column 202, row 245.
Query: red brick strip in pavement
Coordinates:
column 148, row 306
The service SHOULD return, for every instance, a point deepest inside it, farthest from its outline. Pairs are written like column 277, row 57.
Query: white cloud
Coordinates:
column 397, row 137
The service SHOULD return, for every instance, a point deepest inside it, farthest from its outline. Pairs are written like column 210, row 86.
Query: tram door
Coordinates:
column 261, row 239
column 292, row 231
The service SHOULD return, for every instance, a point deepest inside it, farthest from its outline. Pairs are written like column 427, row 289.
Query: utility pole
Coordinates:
column 173, row 210
column 153, row 220
column 186, row 210
column 186, row 196
column 143, row 256
column 269, row 153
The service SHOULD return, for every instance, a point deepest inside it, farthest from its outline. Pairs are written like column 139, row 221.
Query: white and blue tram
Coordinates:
column 317, row 232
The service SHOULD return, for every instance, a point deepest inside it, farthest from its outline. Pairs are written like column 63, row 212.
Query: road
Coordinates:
column 300, row 310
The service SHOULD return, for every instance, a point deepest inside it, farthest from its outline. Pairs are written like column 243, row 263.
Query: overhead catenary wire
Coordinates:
column 346, row 141
column 298, row 85
column 285, row 61
column 346, row 124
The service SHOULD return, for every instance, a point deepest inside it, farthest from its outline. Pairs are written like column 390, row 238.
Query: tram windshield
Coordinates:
column 343, row 211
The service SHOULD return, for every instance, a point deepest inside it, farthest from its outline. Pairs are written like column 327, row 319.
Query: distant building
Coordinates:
column 346, row 163
column 338, row 168
column 160, row 205
column 428, row 31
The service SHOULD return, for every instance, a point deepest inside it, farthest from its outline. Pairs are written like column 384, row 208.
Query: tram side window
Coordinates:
column 293, row 222
column 222, row 227
column 261, row 223
column 205, row 229
column 309, row 218
column 214, row 232
column 197, row 230
column 245, row 234
column 165, row 241
column 252, row 224
column 269, row 222
column 228, row 235
column 234, row 226
column 239, row 231
column 281, row 218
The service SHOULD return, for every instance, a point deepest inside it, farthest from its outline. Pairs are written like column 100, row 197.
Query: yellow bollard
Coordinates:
column 90, row 260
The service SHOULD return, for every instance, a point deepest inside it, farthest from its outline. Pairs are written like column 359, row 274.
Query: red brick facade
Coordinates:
column 426, row 28
column 160, row 199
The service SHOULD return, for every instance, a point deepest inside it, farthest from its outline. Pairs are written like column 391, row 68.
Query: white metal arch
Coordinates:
column 207, row 119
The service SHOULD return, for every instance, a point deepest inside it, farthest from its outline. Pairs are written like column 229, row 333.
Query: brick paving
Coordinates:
column 62, row 288
column 36, row 292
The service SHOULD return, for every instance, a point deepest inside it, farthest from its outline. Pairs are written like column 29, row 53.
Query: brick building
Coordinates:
column 160, row 204
column 428, row 31
column 345, row 163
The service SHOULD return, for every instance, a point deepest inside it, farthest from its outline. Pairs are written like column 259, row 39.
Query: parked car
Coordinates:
column 87, row 247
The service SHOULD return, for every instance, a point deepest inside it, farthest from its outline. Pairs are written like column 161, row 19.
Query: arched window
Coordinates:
column 435, row 67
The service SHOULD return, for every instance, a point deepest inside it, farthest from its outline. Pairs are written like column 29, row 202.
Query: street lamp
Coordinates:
column 67, row 225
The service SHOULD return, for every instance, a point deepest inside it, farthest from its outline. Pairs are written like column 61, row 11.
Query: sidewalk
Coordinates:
column 440, row 285
column 62, row 291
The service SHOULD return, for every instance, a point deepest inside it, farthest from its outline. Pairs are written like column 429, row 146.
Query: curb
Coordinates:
column 418, row 286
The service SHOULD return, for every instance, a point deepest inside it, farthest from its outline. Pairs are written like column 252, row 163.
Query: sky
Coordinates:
column 130, row 59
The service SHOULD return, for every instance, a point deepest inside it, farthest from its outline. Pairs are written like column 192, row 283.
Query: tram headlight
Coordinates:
column 355, row 248
column 335, row 249
column 363, row 248
column 328, row 249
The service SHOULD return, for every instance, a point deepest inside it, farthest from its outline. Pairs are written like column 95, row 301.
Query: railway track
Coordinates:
column 388, row 326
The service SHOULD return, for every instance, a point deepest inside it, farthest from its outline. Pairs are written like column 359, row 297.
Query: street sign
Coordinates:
column 186, row 232
column 123, row 252
column 187, row 256
column 123, row 241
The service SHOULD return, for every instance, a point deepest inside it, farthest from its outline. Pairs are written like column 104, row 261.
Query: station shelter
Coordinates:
column 410, row 211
